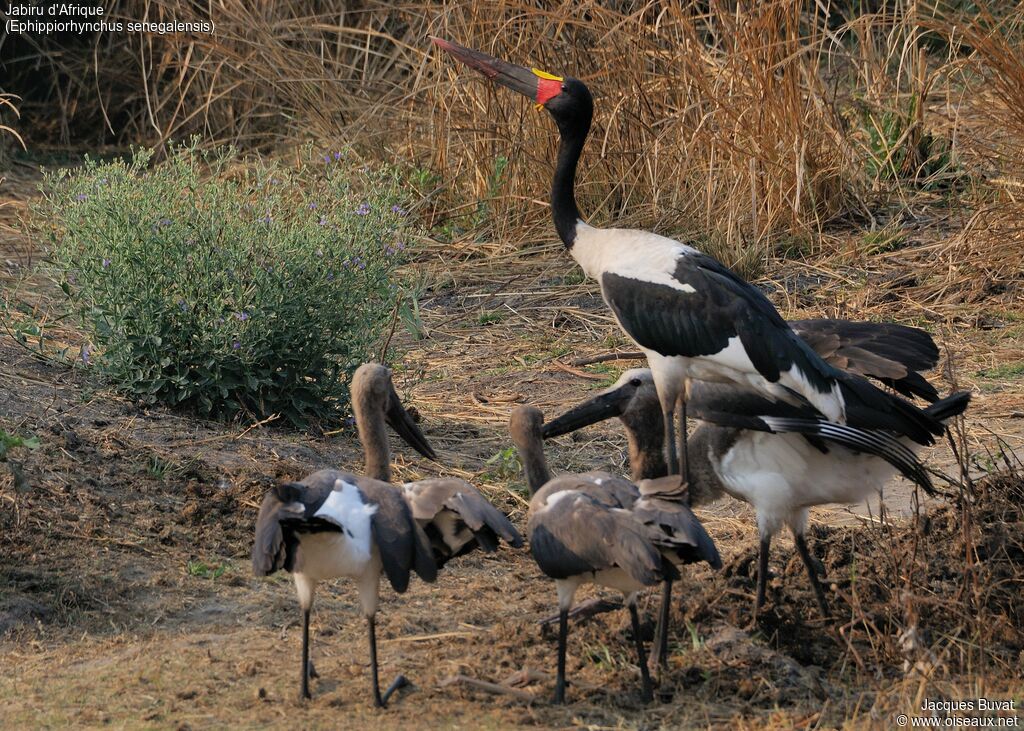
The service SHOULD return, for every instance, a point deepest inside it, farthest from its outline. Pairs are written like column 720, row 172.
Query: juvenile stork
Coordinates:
column 333, row 524
column 456, row 517
column 691, row 315
column 597, row 528
column 780, row 474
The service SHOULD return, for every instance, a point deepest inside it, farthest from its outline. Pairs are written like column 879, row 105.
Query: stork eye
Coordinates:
column 636, row 383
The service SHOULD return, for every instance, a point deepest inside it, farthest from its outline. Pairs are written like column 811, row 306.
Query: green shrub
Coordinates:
column 229, row 287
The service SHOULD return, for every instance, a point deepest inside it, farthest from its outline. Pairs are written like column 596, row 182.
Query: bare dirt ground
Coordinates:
column 126, row 599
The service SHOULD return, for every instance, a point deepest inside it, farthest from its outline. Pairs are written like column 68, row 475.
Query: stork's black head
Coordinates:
column 568, row 100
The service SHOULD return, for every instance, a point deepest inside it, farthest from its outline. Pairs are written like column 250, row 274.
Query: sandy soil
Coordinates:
column 126, row 599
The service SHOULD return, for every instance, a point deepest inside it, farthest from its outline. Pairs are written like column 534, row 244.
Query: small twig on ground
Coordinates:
column 590, row 360
column 487, row 687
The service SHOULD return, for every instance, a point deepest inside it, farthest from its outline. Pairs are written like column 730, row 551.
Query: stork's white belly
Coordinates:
column 781, row 474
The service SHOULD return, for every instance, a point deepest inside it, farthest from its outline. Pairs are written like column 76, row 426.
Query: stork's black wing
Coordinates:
column 891, row 353
column 712, row 306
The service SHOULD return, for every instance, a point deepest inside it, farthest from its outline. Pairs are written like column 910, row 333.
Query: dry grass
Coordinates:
column 751, row 127
column 766, row 130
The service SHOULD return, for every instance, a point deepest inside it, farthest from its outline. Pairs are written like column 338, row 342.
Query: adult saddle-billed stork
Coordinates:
column 691, row 315
column 600, row 529
column 780, row 474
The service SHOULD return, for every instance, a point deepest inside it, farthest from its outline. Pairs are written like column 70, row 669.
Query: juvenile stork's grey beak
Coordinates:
column 399, row 420
column 537, row 85
column 605, row 405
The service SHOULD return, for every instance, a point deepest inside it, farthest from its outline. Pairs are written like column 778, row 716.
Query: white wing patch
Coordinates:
column 638, row 255
column 553, row 500
column 345, row 508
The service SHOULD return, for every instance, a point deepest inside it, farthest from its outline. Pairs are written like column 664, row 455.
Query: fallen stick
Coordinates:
column 488, row 687
column 590, row 360
column 589, row 608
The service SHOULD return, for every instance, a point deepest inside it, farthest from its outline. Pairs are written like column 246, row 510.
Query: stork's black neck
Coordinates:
column 563, row 188
column 573, row 118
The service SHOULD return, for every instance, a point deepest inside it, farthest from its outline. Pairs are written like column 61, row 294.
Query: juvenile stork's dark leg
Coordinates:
column 304, row 687
column 647, row 689
column 563, row 637
column 812, row 572
column 659, row 651
column 671, row 454
column 762, row 574
column 684, row 453
column 379, row 700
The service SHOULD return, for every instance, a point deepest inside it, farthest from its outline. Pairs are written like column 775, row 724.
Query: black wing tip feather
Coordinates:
column 949, row 407
column 881, row 444
column 868, row 407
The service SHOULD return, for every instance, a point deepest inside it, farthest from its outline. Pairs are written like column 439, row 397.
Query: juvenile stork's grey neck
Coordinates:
column 525, row 427
column 372, row 435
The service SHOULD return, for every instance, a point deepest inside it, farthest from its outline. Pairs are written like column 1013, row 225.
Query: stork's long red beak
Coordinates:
column 537, row 85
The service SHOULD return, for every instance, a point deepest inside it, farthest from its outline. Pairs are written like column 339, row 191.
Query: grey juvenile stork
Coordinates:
column 780, row 474
column 692, row 316
column 597, row 528
column 334, row 524
column 456, row 517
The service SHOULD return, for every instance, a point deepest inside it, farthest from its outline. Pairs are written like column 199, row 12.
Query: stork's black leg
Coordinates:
column 762, row 574
column 671, row 456
column 563, row 636
column 647, row 692
column 379, row 700
column 371, row 623
column 304, row 688
column 659, row 652
column 812, row 572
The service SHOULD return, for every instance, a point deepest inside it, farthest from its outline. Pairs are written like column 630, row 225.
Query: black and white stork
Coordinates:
column 600, row 529
column 692, row 316
column 780, row 473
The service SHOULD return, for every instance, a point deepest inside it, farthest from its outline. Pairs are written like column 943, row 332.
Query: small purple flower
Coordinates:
column 220, row 320
column 312, row 206
column 363, row 209
column 242, row 316
column 183, row 306
column 266, row 219
column 236, row 345
column 330, row 276
column 106, row 264
column 323, row 221
column 81, row 197
column 337, row 155
column 85, row 354
column 350, row 421
column 165, row 222
column 398, row 209
column 390, row 250
column 327, row 158
column 362, row 265
column 401, row 246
